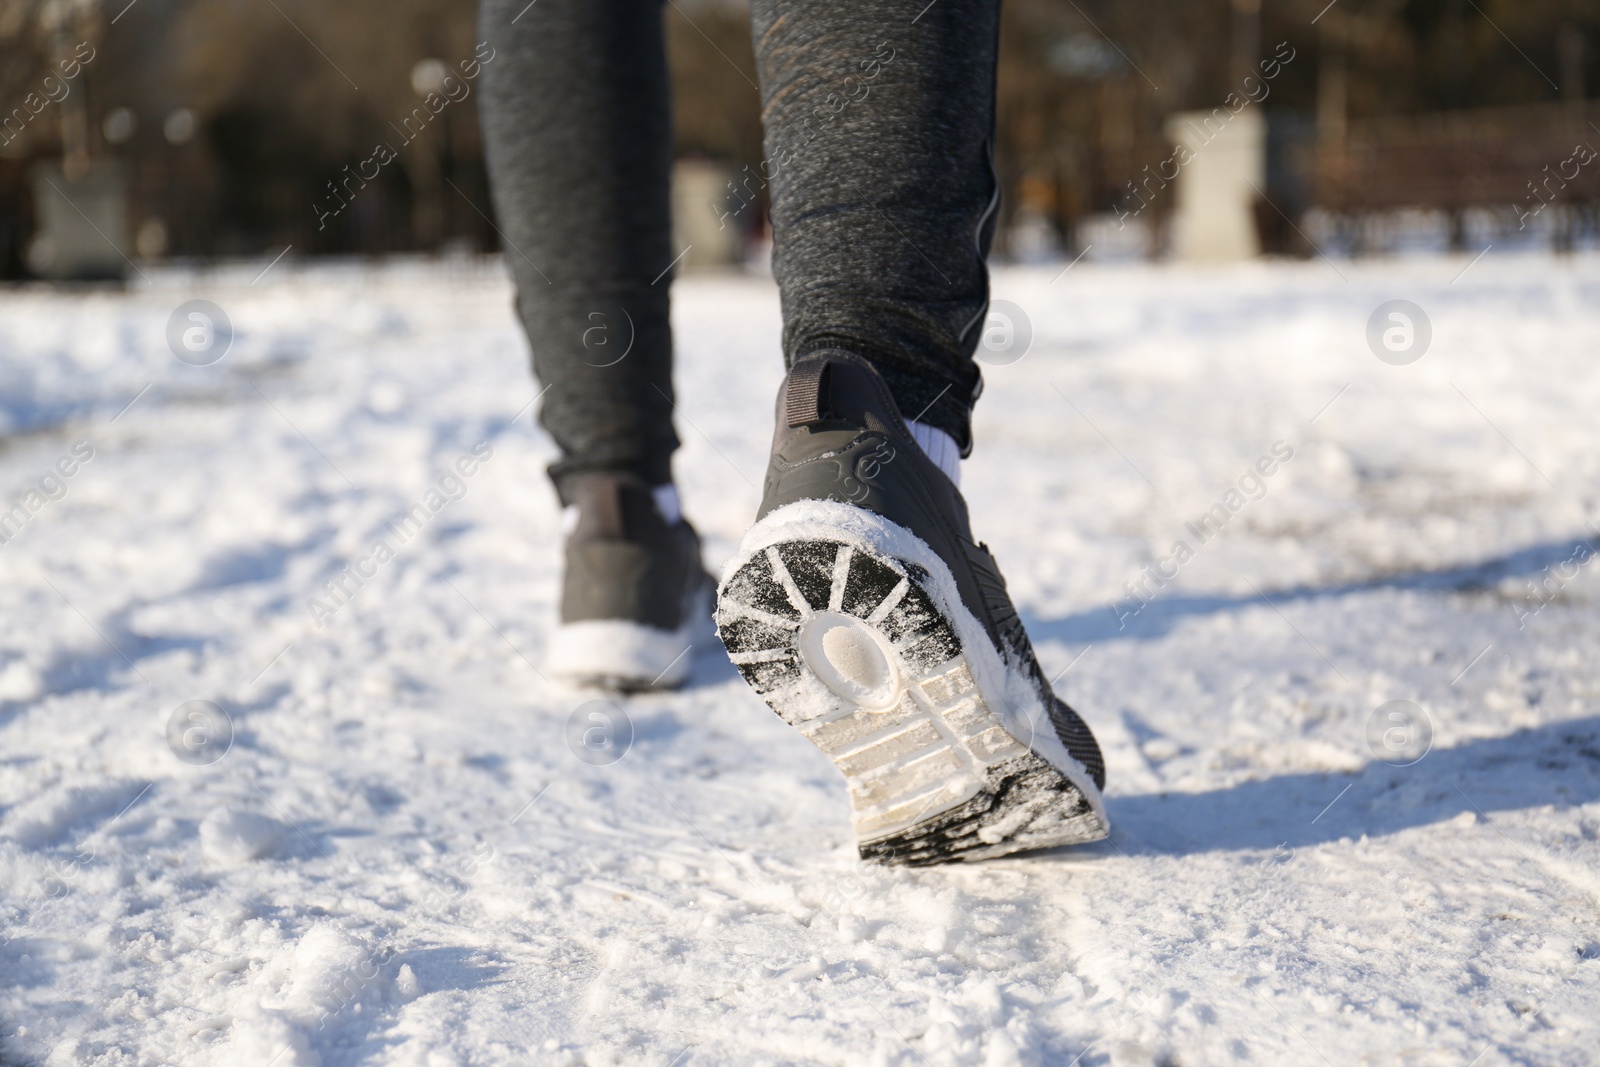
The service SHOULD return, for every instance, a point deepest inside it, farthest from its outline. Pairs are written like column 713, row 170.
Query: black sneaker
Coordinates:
column 862, row 610
column 635, row 597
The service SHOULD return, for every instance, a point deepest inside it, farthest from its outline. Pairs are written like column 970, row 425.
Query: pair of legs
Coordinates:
column 858, row 605
column 878, row 119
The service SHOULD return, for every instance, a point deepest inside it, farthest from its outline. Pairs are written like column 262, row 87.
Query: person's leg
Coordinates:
column 859, row 605
column 577, row 130
column 879, row 119
column 577, row 127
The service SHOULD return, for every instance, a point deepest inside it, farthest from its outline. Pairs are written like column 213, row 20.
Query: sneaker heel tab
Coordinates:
column 599, row 502
column 612, row 508
column 805, row 400
column 837, row 384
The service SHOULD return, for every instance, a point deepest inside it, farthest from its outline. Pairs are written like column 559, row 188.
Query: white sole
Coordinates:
column 852, row 630
column 617, row 654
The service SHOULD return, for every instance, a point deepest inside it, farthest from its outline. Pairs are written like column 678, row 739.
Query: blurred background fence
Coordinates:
column 197, row 129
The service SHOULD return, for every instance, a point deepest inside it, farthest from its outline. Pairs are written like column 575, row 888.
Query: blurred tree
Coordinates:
column 299, row 81
column 716, row 108
column 290, row 98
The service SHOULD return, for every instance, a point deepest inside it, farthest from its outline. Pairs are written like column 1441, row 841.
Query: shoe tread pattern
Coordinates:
column 935, row 778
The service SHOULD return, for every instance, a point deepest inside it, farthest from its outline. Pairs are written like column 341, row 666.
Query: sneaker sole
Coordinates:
column 849, row 627
column 628, row 656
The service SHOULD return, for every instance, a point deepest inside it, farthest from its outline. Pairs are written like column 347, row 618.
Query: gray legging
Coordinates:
column 879, row 120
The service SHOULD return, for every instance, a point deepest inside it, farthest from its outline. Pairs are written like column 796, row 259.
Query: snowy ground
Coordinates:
column 400, row 860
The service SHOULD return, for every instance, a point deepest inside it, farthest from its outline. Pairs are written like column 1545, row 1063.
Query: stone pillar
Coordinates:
column 1224, row 163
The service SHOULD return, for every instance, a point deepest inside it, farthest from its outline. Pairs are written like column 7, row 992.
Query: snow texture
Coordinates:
column 393, row 842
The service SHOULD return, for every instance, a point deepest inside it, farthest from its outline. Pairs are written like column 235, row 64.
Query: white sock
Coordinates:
column 939, row 447
column 665, row 496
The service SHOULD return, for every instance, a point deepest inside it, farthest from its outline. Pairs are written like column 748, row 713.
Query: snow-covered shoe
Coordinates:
column 635, row 597
column 862, row 610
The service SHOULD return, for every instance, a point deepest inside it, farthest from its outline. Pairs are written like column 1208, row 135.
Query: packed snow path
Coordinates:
column 384, row 838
